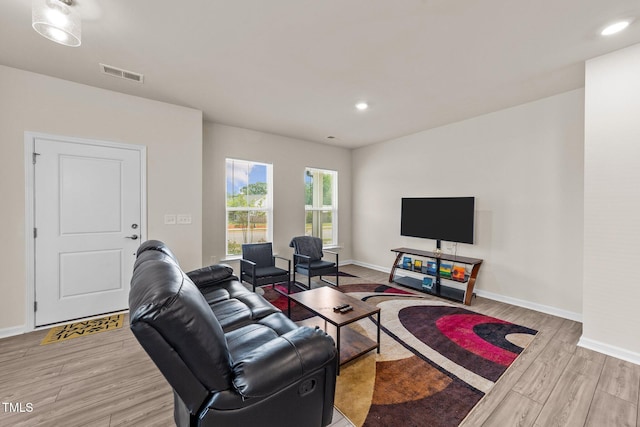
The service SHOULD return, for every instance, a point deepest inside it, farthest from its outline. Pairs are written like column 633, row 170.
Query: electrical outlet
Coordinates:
column 184, row 218
column 169, row 219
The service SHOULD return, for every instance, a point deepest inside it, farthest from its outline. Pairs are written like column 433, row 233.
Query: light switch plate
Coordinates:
column 169, row 219
column 184, row 218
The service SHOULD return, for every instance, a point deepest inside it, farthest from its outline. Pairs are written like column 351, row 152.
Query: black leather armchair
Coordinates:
column 307, row 260
column 231, row 358
column 258, row 266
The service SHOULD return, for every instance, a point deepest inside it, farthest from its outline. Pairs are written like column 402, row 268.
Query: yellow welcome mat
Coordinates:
column 84, row 328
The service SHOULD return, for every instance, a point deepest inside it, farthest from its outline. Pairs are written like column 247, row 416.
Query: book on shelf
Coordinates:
column 417, row 265
column 458, row 273
column 406, row 262
column 427, row 283
column 445, row 270
column 431, row 267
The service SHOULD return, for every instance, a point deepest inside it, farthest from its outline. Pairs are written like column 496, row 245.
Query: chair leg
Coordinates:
column 309, row 280
column 336, row 283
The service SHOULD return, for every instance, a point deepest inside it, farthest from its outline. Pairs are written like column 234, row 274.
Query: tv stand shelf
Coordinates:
column 401, row 267
column 438, row 289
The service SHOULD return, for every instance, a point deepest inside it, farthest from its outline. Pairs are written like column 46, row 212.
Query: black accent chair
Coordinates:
column 307, row 260
column 258, row 266
column 231, row 357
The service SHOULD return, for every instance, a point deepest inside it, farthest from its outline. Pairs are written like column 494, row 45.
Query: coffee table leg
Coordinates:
column 378, row 332
column 338, row 347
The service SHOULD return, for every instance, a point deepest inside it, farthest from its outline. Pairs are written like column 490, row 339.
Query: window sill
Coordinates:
column 332, row 247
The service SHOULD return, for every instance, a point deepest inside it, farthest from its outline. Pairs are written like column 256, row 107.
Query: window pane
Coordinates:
column 245, row 227
column 248, row 203
column 320, row 224
column 237, row 178
column 246, row 184
column 318, row 188
column 257, row 186
column 327, row 227
column 308, row 223
column 327, row 189
column 308, row 188
column 321, row 204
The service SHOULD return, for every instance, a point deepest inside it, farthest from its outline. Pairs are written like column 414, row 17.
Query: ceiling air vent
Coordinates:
column 123, row 74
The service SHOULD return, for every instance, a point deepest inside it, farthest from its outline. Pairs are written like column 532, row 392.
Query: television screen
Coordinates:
column 438, row 218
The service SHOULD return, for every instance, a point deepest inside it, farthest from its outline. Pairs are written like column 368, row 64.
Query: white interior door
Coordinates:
column 87, row 220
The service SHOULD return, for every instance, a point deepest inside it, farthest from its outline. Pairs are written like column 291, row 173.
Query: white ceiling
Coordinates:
column 297, row 67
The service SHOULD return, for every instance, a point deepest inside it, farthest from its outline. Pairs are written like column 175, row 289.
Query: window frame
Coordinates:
column 268, row 200
column 333, row 208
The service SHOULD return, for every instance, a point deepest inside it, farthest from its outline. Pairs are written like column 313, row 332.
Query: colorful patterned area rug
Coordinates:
column 437, row 359
column 84, row 328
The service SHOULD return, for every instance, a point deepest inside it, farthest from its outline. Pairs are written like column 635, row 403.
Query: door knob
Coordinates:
column 132, row 237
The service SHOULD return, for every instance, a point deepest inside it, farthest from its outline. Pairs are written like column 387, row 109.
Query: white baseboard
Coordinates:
column 9, row 332
column 501, row 298
column 609, row 350
column 554, row 311
column 371, row 266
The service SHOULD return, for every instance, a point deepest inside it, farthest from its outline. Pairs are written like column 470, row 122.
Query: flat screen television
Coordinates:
column 438, row 218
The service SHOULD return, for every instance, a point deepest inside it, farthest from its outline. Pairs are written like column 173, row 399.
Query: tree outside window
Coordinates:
column 249, row 197
column 321, row 205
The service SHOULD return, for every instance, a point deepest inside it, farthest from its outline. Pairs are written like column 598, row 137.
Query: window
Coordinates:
column 321, row 205
column 249, row 204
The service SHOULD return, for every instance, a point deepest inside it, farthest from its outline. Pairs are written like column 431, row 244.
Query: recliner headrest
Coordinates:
column 155, row 245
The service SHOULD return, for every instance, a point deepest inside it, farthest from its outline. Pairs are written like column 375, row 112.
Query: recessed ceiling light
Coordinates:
column 362, row 106
column 615, row 28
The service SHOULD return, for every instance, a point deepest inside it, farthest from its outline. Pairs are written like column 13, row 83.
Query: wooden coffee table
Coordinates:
column 350, row 344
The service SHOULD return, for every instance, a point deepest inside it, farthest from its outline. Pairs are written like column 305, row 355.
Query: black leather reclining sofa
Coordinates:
column 232, row 358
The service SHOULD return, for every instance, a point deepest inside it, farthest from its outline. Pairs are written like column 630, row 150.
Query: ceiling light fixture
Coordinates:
column 615, row 28
column 362, row 106
column 57, row 21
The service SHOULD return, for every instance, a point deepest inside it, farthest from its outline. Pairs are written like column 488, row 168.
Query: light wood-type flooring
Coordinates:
column 107, row 379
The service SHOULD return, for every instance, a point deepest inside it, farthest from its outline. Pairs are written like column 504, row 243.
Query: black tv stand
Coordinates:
column 438, row 289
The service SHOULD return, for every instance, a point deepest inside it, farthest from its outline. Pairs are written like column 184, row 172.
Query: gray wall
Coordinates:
column 289, row 158
column 612, row 204
column 172, row 135
column 524, row 165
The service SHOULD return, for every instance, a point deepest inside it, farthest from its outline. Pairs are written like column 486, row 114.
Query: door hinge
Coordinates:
column 34, row 157
column 35, row 306
column 35, row 232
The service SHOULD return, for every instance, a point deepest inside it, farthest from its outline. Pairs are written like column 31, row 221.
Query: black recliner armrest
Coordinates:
column 283, row 361
column 211, row 275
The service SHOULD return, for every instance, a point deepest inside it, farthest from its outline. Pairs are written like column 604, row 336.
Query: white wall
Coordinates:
column 524, row 165
column 172, row 134
column 289, row 158
column 612, row 204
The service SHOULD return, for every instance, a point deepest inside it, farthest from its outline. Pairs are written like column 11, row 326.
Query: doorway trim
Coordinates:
column 29, row 149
